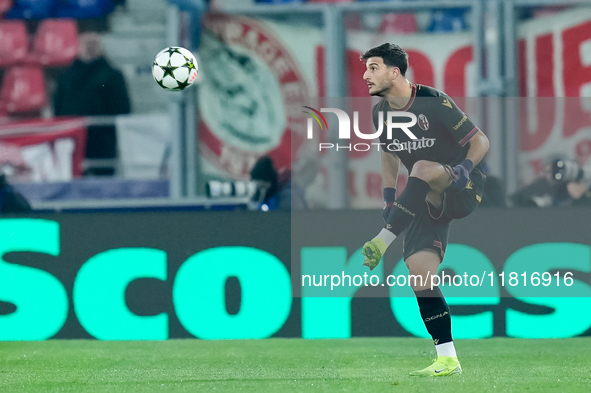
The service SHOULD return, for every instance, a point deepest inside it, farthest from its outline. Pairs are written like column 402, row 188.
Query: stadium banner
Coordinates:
column 275, row 66
column 554, row 65
column 157, row 275
column 43, row 150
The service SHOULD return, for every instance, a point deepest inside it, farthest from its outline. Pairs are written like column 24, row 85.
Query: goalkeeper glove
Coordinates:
column 462, row 174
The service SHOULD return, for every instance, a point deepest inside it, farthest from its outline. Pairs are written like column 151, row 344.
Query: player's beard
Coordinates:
column 381, row 90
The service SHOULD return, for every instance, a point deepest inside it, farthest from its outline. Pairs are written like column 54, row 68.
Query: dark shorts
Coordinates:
column 430, row 228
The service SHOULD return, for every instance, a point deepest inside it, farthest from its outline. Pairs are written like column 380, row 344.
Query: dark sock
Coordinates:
column 435, row 314
column 407, row 205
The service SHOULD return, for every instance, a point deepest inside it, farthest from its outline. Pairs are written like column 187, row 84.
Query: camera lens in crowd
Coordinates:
column 221, row 189
column 566, row 171
column 255, row 190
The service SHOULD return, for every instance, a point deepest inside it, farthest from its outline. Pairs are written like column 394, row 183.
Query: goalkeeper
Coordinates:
column 442, row 155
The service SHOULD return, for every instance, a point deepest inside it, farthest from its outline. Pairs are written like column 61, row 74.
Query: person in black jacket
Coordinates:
column 92, row 87
column 282, row 192
column 11, row 201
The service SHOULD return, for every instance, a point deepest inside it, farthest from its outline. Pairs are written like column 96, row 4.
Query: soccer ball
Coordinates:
column 174, row 68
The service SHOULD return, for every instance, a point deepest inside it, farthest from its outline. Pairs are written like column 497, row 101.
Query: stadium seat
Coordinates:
column 446, row 20
column 23, row 90
column 14, row 42
column 55, row 44
column 31, row 9
column 5, row 5
column 83, row 9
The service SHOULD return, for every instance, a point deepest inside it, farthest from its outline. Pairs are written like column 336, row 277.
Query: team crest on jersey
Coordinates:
column 423, row 122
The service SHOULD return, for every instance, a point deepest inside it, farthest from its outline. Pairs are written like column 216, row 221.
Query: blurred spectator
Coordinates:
column 282, row 193
column 92, row 87
column 553, row 190
column 11, row 201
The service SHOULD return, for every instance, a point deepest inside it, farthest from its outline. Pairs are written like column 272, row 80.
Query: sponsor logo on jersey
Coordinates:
column 423, row 122
column 464, row 119
column 446, row 103
column 410, row 146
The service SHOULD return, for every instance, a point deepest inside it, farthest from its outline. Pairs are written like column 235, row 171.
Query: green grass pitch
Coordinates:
column 292, row 365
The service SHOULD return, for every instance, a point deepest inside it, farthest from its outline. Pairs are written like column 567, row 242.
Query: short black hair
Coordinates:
column 392, row 54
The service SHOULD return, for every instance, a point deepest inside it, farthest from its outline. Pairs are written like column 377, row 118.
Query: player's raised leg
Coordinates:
column 435, row 314
column 427, row 180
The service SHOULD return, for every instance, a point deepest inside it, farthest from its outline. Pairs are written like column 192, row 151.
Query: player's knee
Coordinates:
column 426, row 170
column 418, row 279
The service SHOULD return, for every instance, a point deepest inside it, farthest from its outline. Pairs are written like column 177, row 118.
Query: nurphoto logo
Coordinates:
column 388, row 125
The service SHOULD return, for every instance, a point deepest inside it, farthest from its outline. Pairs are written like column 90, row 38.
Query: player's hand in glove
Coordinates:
column 462, row 176
column 389, row 198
